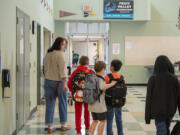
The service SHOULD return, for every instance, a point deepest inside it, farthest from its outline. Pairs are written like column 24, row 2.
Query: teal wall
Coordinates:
column 59, row 28
column 163, row 23
column 164, row 17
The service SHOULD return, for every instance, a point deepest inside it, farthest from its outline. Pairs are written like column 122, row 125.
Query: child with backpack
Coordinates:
column 115, row 97
column 75, row 84
column 98, row 109
column 163, row 95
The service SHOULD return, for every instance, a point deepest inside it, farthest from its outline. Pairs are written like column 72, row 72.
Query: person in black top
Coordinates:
column 163, row 95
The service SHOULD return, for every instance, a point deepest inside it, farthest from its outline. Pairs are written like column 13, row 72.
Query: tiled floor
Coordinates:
column 133, row 118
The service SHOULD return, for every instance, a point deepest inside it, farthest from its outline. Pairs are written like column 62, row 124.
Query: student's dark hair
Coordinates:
column 57, row 44
column 99, row 65
column 116, row 64
column 84, row 60
column 163, row 64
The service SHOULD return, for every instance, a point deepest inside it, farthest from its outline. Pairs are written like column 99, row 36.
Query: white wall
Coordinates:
column 36, row 12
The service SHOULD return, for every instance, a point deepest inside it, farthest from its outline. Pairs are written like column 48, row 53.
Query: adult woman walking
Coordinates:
column 55, row 84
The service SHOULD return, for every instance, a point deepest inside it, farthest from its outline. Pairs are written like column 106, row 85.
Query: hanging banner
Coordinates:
column 65, row 13
column 118, row 9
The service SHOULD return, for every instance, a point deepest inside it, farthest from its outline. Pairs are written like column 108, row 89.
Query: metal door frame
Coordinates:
column 38, row 64
column 25, row 68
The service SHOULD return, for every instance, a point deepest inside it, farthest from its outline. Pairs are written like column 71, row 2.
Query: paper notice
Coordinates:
column 22, row 46
column 116, row 48
column 128, row 45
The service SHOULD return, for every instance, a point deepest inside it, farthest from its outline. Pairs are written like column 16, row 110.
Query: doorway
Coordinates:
column 46, row 45
column 96, row 48
column 89, row 39
column 22, row 68
column 41, row 52
column 47, row 41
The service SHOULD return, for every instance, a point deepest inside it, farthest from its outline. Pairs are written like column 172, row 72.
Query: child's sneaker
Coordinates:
column 87, row 132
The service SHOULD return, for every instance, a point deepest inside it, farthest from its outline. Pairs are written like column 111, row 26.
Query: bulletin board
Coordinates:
column 143, row 50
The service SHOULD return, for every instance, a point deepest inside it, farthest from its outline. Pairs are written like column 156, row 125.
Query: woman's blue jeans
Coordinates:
column 50, row 96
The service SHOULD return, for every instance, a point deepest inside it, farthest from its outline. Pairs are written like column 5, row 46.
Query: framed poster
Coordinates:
column 118, row 9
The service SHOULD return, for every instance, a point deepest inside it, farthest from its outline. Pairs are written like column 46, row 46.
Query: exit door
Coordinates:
column 23, row 69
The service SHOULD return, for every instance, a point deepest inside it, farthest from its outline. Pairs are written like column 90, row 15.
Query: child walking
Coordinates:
column 111, row 110
column 98, row 109
column 75, row 84
column 163, row 95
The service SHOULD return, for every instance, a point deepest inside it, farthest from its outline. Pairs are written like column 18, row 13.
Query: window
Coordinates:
column 87, row 28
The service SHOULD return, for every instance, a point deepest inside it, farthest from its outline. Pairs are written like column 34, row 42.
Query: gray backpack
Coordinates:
column 91, row 90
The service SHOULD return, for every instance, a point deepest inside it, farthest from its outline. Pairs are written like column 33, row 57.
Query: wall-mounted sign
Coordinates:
column 87, row 8
column 118, row 9
column 116, row 48
column 88, row 14
column 87, row 11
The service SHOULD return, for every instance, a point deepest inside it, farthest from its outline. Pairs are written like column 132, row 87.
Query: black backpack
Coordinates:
column 176, row 129
column 116, row 95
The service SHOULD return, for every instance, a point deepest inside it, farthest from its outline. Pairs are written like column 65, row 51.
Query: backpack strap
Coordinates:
column 98, row 85
column 110, row 77
column 100, row 77
column 121, row 79
column 98, row 82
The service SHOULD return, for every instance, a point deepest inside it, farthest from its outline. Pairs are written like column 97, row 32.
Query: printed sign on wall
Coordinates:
column 118, row 9
column 116, row 48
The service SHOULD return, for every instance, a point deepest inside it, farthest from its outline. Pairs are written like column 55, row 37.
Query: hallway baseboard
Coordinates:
column 30, row 116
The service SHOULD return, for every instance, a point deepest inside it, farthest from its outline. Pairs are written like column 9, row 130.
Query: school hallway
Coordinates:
column 133, row 118
column 134, row 32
